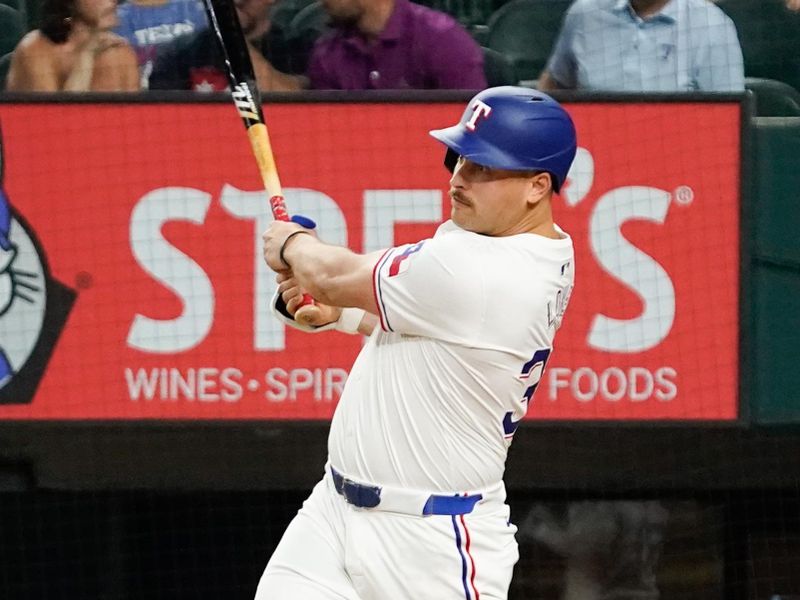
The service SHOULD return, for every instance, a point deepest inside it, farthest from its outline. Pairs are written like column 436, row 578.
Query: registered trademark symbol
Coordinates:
column 84, row 280
column 683, row 194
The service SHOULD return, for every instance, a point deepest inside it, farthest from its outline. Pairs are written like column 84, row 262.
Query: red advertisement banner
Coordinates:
column 131, row 283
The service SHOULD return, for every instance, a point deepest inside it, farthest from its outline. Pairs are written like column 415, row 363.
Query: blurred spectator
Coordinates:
column 394, row 44
column 645, row 45
column 193, row 62
column 146, row 24
column 612, row 548
column 74, row 50
column 793, row 5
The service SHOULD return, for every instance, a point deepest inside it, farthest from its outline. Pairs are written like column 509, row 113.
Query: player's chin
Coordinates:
column 460, row 217
column 458, row 205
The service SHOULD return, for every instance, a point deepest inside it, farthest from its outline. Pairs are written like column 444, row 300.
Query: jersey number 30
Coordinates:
column 531, row 373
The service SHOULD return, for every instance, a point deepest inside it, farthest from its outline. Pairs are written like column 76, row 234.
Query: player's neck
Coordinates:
column 374, row 20
column 547, row 230
column 538, row 221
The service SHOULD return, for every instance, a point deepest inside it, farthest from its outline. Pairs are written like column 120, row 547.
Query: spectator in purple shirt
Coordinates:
column 393, row 44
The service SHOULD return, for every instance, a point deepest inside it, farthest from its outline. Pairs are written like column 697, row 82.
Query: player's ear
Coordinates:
column 539, row 187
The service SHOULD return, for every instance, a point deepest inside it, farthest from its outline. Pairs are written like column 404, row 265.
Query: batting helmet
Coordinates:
column 514, row 128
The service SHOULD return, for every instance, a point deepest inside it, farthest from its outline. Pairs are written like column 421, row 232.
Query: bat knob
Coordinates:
column 308, row 314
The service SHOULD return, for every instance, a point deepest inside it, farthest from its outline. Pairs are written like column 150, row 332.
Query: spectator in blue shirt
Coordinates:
column 147, row 24
column 645, row 46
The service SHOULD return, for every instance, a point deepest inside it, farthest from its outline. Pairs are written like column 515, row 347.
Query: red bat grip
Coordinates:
column 278, row 206
column 280, row 213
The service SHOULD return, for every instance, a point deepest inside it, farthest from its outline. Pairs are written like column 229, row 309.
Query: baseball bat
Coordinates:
column 225, row 24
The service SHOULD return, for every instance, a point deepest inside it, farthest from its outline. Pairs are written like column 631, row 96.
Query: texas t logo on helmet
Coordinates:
column 527, row 131
column 479, row 109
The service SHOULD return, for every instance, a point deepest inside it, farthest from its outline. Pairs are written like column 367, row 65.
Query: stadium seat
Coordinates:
column 524, row 31
column 774, row 98
column 5, row 64
column 308, row 24
column 467, row 12
column 283, row 52
column 770, row 37
column 18, row 5
column 12, row 28
column 497, row 68
column 283, row 12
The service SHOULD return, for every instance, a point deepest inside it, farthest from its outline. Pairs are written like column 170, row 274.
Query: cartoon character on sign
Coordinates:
column 33, row 306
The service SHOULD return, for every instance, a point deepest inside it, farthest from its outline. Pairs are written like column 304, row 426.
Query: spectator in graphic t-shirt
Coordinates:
column 147, row 24
column 193, row 62
column 394, row 44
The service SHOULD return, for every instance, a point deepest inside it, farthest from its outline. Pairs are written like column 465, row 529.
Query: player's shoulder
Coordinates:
column 458, row 249
column 452, row 253
column 450, row 237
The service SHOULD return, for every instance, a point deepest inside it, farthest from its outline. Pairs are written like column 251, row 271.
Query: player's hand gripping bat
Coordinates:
column 230, row 38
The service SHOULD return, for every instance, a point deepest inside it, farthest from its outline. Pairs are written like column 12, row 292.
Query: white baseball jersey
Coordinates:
column 467, row 323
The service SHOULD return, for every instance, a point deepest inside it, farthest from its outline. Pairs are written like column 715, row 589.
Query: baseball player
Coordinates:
column 412, row 502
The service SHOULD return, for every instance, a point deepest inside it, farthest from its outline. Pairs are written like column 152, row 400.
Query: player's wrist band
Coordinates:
column 349, row 320
column 286, row 242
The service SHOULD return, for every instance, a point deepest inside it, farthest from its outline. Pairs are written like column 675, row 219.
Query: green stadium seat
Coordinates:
column 285, row 53
column 524, row 31
column 774, row 98
column 466, row 12
column 283, row 12
column 18, row 5
column 5, row 64
column 12, row 28
column 308, row 24
column 497, row 68
column 770, row 37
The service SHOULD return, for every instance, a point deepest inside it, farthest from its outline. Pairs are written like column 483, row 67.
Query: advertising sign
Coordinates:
column 132, row 284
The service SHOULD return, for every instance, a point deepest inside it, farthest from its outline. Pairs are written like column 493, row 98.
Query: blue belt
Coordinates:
column 369, row 496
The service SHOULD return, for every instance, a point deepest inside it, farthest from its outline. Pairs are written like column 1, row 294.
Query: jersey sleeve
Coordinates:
column 430, row 289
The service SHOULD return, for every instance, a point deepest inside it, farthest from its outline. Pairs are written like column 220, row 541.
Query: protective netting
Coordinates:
column 160, row 427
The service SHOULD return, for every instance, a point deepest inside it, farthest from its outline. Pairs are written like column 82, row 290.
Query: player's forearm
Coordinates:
column 332, row 274
column 368, row 324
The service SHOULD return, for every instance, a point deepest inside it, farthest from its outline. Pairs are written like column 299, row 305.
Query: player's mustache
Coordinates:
column 459, row 197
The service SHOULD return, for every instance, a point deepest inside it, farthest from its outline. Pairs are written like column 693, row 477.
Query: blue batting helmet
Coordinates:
column 514, row 128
